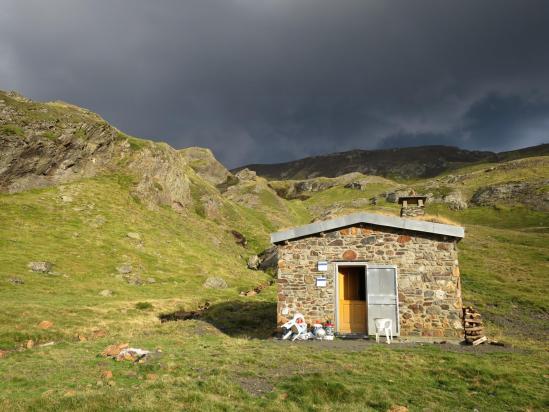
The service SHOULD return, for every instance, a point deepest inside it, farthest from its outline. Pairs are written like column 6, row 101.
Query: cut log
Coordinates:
column 479, row 341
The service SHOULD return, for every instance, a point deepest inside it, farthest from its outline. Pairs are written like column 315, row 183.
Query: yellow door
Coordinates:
column 352, row 300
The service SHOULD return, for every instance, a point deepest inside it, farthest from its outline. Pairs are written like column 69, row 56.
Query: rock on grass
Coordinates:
column 214, row 282
column 41, row 267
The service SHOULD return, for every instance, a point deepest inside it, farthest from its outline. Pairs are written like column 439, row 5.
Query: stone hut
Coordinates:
column 356, row 268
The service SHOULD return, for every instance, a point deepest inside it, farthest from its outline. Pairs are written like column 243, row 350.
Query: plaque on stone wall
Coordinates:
column 321, row 282
column 322, row 266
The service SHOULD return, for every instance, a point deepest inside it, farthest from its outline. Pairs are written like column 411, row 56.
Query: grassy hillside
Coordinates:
column 93, row 227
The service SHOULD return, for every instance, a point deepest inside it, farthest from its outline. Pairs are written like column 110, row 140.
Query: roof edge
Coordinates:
column 369, row 218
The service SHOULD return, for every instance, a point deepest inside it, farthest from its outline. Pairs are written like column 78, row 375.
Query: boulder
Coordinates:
column 455, row 200
column 246, row 174
column 134, row 235
column 214, row 282
column 253, row 262
column 392, row 197
column 125, row 268
column 41, row 267
column 105, row 293
column 269, row 258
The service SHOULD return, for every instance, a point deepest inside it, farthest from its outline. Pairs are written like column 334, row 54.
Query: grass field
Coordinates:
column 226, row 360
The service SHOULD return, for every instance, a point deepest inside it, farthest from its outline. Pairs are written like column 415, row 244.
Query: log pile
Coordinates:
column 474, row 329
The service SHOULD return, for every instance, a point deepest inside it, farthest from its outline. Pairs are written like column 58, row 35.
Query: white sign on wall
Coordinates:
column 322, row 266
column 321, row 282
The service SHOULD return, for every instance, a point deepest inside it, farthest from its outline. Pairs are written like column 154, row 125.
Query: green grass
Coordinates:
column 11, row 130
column 225, row 360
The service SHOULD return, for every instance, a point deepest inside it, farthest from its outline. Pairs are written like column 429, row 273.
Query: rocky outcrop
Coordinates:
column 203, row 162
column 533, row 194
column 455, row 200
column 162, row 177
column 43, row 146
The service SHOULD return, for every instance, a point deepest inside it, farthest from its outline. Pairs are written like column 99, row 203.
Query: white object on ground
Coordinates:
column 295, row 326
column 384, row 325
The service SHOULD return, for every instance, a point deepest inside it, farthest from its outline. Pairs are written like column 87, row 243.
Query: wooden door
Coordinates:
column 352, row 300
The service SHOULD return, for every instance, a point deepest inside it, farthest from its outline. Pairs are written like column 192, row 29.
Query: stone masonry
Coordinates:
column 429, row 290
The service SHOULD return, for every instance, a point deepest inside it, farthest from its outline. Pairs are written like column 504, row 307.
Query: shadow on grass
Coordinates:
column 254, row 319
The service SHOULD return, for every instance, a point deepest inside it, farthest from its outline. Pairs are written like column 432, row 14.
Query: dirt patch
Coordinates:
column 255, row 386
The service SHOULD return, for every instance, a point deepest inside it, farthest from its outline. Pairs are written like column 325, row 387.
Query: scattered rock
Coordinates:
column 66, row 198
column 106, row 374
column 41, row 267
column 29, row 344
column 3, row 353
column 254, row 291
column 45, row 324
column 152, row 376
column 134, row 235
column 151, row 280
column 114, row 350
column 355, row 186
column 81, row 338
column 133, row 280
column 214, row 282
column 111, row 383
column 70, row 393
column 253, row 262
column 16, row 281
column 124, row 268
column 105, row 293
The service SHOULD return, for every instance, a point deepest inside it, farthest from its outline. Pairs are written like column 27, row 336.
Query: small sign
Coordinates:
column 321, row 282
column 322, row 266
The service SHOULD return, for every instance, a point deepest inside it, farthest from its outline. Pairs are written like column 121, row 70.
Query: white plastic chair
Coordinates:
column 295, row 326
column 384, row 325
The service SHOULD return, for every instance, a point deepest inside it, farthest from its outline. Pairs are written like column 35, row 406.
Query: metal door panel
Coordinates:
column 382, row 296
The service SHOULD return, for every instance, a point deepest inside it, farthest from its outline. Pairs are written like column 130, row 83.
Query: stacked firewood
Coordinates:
column 472, row 323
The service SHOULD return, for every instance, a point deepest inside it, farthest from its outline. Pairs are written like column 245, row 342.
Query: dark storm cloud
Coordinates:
column 273, row 80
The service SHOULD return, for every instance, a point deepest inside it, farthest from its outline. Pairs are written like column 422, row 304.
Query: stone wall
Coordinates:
column 412, row 211
column 428, row 276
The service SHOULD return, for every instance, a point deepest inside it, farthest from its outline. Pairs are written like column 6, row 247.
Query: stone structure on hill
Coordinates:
column 412, row 206
column 360, row 267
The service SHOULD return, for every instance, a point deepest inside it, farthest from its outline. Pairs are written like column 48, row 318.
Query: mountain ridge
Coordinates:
column 398, row 163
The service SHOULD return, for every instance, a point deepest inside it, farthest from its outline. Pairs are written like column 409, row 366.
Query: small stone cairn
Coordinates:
column 474, row 329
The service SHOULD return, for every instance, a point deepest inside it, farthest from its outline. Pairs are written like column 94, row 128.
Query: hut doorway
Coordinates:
column 352, row 305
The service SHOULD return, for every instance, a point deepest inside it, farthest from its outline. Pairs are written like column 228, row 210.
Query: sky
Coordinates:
column 265, row 81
